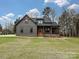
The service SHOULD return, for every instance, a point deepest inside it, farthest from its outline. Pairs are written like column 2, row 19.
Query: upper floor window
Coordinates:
column 40, row 21
column 26, row 21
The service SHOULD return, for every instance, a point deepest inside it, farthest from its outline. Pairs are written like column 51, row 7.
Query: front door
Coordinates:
column 40, row 31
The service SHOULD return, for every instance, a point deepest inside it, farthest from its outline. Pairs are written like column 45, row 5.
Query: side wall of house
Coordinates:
column 26, row 28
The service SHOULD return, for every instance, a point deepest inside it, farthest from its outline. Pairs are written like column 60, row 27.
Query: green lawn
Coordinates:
column 39, row 48
column 7, row 39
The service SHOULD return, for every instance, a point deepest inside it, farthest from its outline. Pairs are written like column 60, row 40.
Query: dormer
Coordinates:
column 40, row 20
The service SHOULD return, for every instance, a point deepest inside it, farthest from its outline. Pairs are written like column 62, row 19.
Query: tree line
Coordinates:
column 69, row 23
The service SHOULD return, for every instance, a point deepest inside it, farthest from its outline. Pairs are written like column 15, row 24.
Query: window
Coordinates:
column 31, row 30
column 47, row 30
column 40, row 21
column 26, row 21
column 21, row 31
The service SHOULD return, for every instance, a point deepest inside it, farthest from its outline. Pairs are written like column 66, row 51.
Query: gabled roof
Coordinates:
column 46, row 22
column 24, row 19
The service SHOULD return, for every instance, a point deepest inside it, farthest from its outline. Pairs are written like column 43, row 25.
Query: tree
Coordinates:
column 17, row 20
column 63, row 22
column 77, row 24
column 0, row 28
column 49, row 13
column 9, row 27
column 68, row 22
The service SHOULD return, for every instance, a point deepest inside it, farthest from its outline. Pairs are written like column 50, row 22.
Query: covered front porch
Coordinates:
column 47, row 30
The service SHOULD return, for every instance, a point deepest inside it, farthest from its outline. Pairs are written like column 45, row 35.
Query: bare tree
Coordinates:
column 17, row 20
column 49, row 13
column 68, row 22
column 0, row 29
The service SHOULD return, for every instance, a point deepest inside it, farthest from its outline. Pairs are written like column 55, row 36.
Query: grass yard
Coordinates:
column 39, row 48
column 7, row 39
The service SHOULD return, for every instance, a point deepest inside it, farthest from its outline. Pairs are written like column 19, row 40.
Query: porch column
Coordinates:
column 43, row 30
column 51, row 31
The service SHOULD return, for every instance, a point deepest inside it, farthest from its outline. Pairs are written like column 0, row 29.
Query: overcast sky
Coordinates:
column 12, row 9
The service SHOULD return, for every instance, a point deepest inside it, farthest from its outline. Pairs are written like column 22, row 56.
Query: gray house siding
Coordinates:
column 26, row 28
